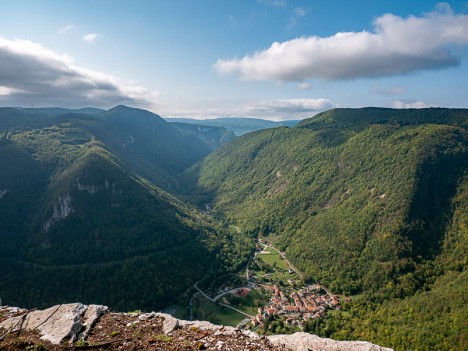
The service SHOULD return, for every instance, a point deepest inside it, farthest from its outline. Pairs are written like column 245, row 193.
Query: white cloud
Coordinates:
column 411, row 104
column 33, row 74
column 66, row 29
column 294, row 107
column 267, row 109
column 298, row 12
column 396, row 46
column 91, row 37
column 5, row 91
column 304, row 86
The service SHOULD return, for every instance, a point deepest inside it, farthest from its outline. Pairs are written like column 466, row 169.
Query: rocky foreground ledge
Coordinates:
column 81, row 327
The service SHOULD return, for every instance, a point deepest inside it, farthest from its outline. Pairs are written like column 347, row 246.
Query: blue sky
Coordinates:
column 275, row 59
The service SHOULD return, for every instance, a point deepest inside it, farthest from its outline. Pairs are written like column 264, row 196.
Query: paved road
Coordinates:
column 232, row 291
column 222, row 304
column 328, row 291
column 201, row 292
column 235, row 309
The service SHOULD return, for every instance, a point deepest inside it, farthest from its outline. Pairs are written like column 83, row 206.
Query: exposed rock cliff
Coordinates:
column 62, row 209
column 94, row 327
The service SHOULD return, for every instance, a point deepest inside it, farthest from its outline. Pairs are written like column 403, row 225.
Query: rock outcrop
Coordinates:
column 62, row 209
column 306, row 342
column 57, row 324
column 94, row 326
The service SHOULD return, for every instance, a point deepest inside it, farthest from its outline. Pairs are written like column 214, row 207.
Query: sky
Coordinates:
column 271, row 59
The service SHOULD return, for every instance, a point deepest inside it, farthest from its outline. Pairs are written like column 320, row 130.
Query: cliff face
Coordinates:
column 80, row 327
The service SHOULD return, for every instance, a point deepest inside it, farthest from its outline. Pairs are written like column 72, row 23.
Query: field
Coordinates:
column 250, row 303
column 273, row 258
column 271, row 268
column 207, row 310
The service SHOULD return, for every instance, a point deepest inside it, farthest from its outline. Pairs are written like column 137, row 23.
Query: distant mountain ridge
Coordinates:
column 239, row 126
column 57, row 111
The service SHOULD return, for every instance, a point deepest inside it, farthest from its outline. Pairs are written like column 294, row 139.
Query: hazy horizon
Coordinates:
column 267, row 59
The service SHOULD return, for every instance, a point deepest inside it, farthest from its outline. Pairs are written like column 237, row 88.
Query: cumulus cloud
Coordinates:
column 276, row 110
column 411, row 104
column 91, row 37
column 395, row 46
column 294, row 106
column 32, row 74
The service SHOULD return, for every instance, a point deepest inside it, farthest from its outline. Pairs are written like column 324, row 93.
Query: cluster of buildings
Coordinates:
column 297, row 306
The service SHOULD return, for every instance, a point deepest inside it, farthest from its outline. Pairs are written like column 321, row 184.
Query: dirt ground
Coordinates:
column 117, row 331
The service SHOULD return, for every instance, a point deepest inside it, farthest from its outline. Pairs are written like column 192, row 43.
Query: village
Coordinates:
column 296, row 306
column 270, row 272
column 270, row 292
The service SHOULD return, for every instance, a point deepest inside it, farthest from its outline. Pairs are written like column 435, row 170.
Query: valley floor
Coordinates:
column 273, row 300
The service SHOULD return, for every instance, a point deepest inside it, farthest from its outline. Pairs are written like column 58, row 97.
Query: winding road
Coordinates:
column 222, row 304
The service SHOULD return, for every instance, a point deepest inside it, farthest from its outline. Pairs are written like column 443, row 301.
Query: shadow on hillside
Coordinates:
column 431, row 211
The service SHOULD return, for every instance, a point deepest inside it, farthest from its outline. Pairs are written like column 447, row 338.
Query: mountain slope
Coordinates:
column 79, row 223
column 152, row 147
column 370, row 202
column 213, row 137
column 351, row 194
column 432, row 319
column 360, row 203
column 155, row 149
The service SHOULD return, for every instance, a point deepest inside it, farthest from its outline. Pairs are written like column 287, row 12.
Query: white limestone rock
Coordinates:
column 169, row 324
column 310, row 342
column 71, row 321
column 58, row 323
column 61, row 210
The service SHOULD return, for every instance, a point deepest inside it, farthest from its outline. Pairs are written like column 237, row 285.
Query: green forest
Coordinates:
column 80, row 223
column 369, row 202
column 110, row 207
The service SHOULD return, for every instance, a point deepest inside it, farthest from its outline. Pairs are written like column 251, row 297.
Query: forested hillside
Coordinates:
column 80, row 222
column 214, row 137
column 370, row 202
